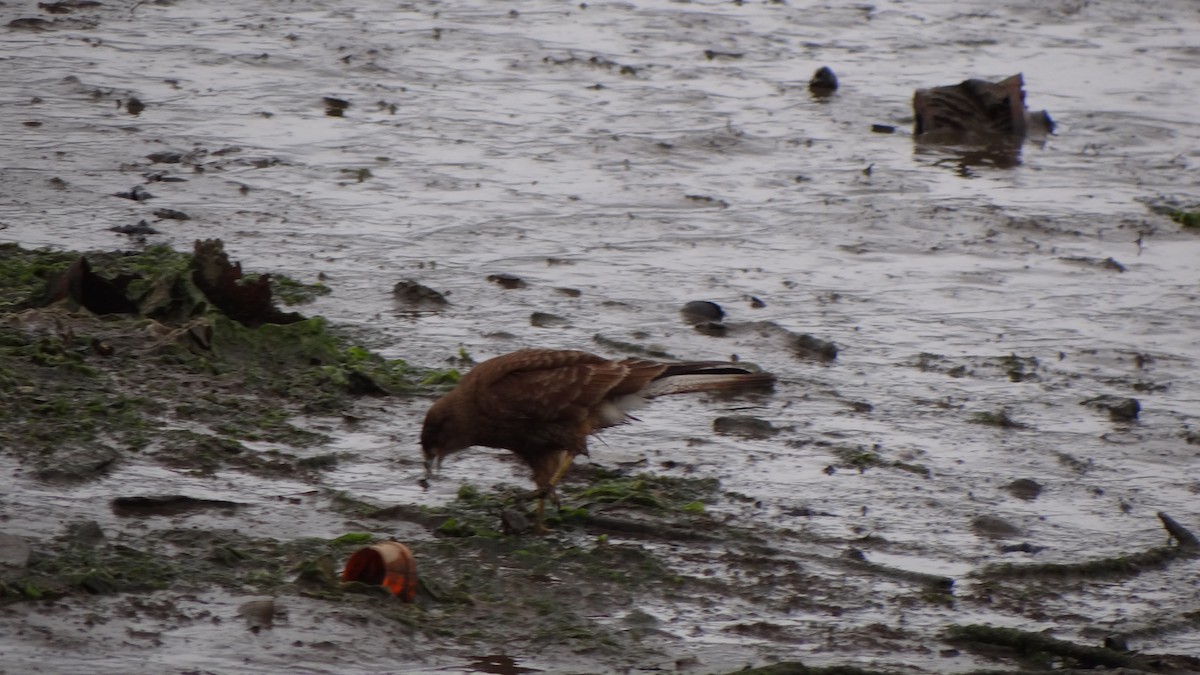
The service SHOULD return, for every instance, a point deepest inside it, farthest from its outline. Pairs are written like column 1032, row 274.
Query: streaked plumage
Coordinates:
column 542, row 404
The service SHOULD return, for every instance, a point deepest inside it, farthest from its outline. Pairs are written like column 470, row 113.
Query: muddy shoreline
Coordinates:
column 988, row 371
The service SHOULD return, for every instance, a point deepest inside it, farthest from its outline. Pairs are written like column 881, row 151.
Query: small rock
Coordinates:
column 547, row 320
column 85, row 534
column 993, row 527
column 1117, row 642
column 69, row 464
column 165, row 157
column 33, row 24
column 807, row 346
column 260, row 614
column 1023, row 547
column 165, row 505
column 712, row 54
column 171, row 214
column 883, row 129
column 744, row 426
column 1024, row 488
column 699, row 311
column 1120, row 409
column 413, row 293
column 134, row 106
column 335, row 107
column 14, row 552
column 824, row 82
column 640, row 619
column 514, row 522
column 137, row 193
column 570, row 292
column 1125, row 411
column 140, row 230
column 507, row 281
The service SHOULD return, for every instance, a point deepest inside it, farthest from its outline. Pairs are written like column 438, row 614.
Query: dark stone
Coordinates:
column 1024, row 488
column 140, row 230
column 1023, row 547
column 247, row 301
column 165, row 157
column 547, row 320
column 166, row 505
column 90, row 291
column 14, row 552
column 807, row 346
column 744, row 426
column 137, row 193
column 507, row 281
column 712, row 54
column 699, row 311
column 413, row 293
column 514, row 522
column 883, row 128
column 823, row 82
column 171, row 214
column 1120, row 408
column 993, row 527
column 260, row 614
column 335, row 107
column 85, row 534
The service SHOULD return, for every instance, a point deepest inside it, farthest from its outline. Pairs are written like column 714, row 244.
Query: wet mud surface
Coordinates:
column 472, row 178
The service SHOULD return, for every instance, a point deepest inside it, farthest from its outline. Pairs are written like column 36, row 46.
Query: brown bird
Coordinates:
column 542, row 404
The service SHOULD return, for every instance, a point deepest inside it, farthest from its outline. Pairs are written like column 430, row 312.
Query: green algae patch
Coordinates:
column 293, row 292
column 82, row 561
column 174, row 356
column 1188, row 219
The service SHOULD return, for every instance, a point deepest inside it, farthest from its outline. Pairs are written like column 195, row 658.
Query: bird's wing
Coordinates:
column 559, row 384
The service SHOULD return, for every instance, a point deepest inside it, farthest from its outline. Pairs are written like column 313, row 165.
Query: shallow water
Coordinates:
column 597, row 148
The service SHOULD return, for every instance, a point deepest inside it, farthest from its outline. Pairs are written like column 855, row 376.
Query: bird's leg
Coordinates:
column 550, row 491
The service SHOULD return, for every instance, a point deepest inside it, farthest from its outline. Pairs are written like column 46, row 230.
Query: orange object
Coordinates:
column 389, row 564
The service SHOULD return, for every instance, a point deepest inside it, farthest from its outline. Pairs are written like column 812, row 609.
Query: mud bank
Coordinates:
column 1012, row 402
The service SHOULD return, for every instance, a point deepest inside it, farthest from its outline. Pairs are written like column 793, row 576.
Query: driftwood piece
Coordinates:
column 1025, row 643
column 247, row 301
column 83, row 287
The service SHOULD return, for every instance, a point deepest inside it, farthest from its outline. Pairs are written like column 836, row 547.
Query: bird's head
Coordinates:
column 443, row 434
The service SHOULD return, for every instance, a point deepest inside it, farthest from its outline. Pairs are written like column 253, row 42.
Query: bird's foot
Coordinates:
column 543, row 494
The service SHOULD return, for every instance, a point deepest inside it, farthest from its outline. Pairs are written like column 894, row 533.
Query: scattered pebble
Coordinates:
column 414, row 293
column 993, row 527
column 823, row 82
column 137, row 193
column 1024, row 488
column 14, row 552
column 744, row 426
column 1120, row 408
column 507, row 281
column 547, row 320
column 699, row 311
column 171, row 214
column 141, row 229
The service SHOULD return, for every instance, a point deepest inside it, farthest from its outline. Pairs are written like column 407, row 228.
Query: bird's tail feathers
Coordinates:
column 716, row 378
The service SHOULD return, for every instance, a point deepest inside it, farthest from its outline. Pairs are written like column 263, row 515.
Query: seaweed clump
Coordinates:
column 175, row 354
